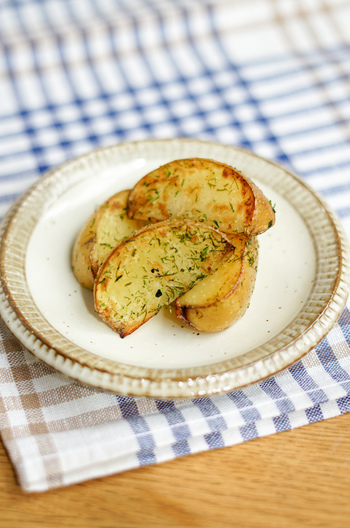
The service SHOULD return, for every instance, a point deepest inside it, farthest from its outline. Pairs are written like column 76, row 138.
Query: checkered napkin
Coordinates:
column 271, row 76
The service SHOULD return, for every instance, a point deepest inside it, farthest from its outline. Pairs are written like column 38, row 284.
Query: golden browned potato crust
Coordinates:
column 203, row 190
column 152, row 268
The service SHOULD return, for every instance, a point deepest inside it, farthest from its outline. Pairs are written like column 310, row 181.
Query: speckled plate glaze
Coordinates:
column 301, row 288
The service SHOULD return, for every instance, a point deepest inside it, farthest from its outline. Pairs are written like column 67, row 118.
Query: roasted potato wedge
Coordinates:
column 103, row 231
column 111, row 226
column 205, row 191
column 222, row 298
column 154, row 267
column 218, row 285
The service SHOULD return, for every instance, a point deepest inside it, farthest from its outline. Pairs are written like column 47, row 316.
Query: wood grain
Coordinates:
column 294, row 479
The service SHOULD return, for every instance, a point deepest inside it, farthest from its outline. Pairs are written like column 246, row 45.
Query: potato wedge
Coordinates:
column 202, row 190
column 103, row 231
column 154, row 267
column 219, row 284
column 111, row 226
column 211, row 310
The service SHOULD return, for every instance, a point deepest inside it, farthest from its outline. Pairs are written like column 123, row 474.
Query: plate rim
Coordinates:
column 164, row 383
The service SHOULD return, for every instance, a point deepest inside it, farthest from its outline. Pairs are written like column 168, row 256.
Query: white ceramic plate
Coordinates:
column 301, row 288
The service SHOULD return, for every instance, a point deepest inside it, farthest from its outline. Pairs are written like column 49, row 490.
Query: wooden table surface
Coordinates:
column 294, row 479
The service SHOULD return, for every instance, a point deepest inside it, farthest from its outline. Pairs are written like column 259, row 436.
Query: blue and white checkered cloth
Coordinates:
column 271, row 76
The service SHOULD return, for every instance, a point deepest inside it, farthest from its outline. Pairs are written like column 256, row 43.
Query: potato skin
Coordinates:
column 102, row 232
column 81, row 254
column 223, row 313
column 152, row 268
column 202, row 190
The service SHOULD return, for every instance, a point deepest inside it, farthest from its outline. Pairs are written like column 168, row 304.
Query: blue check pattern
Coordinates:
column 76, row 75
